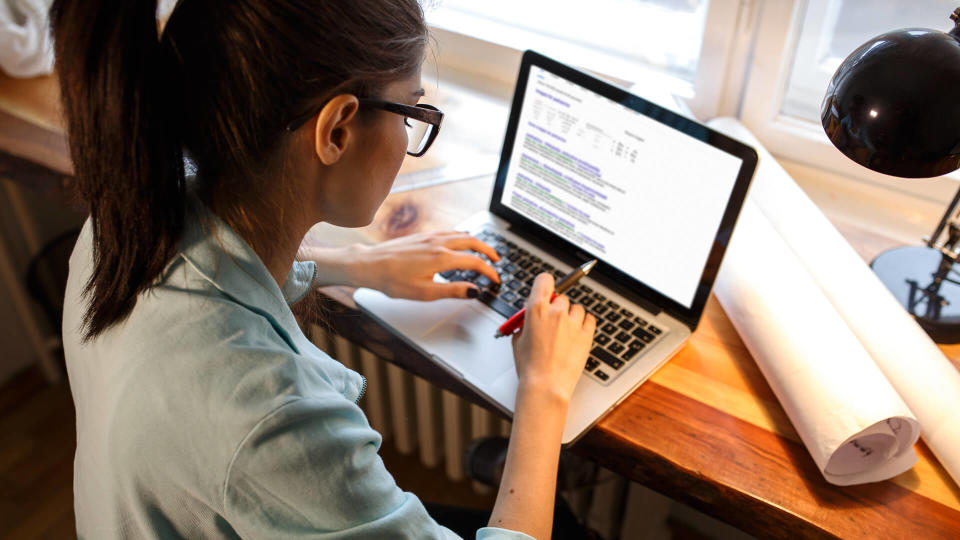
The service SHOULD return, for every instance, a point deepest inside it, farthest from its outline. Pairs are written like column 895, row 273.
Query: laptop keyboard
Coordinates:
column 621, row 335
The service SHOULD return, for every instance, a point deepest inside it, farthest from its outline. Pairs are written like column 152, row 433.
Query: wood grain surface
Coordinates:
column 705, row 429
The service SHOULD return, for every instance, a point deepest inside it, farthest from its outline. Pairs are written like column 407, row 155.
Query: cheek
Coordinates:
column 392, row 155
column 392, row 149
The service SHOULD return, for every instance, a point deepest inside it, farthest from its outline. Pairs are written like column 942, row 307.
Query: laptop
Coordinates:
column 588, row 171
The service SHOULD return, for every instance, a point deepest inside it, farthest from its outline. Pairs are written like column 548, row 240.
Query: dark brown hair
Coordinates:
column 220, row 83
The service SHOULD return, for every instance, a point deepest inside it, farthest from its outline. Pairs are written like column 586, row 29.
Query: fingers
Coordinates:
column 577, row 315
column 542, row 289
column 472, row 262
column 463, row 241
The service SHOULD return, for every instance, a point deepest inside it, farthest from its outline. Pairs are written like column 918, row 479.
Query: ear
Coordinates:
column 334, row 126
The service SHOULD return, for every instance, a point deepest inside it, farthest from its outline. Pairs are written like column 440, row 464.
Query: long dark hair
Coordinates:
column 219, row 82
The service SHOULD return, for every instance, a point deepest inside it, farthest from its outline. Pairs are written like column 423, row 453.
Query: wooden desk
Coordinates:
column 705, row 430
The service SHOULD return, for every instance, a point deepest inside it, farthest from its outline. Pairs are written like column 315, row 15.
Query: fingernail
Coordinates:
column 472, row 293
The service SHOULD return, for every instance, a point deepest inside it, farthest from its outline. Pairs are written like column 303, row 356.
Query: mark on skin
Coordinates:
column 401, row 219
column 511, row 490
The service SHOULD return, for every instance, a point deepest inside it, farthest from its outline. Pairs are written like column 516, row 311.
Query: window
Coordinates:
column 798, row 46
column 680, row 46
column 832, row 29
column 767, row 62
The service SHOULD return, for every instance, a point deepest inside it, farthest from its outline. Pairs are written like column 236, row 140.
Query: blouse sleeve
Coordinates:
column 310, row 469
column 299, row 281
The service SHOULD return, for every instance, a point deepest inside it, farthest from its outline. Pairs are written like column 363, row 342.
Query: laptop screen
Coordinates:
column 640, row 195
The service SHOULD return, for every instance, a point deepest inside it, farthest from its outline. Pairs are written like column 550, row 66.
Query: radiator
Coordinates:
column 417, row 417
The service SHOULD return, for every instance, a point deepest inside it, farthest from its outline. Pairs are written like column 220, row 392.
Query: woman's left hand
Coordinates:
column 404, row 267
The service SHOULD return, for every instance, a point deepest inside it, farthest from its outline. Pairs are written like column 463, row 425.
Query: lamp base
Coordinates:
column 911, row 273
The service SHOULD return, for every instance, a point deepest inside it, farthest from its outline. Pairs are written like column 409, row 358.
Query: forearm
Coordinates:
column 336, row 266
column 527, row 492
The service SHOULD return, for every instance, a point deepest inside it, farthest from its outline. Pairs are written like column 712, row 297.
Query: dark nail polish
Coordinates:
column 472, row 293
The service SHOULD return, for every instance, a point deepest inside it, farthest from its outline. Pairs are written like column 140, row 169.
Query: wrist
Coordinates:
column 540, row 396
column 338, row 266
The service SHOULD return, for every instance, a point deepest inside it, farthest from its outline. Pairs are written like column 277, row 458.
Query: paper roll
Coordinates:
column 854, row 424
column 913, row 364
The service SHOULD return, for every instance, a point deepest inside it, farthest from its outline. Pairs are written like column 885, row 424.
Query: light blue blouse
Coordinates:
column 208, row 414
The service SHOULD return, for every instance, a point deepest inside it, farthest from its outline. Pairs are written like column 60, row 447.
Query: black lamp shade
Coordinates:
column 893, row 105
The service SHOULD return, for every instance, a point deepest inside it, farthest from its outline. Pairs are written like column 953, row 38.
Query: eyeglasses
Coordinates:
column 422, row 122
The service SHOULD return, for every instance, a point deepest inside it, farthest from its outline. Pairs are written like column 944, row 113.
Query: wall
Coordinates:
column 50, row 215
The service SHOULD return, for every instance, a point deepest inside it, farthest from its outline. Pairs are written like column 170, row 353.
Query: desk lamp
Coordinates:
column 893, row 106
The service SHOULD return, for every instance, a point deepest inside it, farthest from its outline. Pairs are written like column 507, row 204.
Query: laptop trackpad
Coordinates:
column 465, row 341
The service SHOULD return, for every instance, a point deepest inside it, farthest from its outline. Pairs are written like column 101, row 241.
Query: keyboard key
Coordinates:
column 600, row 297
column 601, row 375
column 498, row 305
column 536, row 259
column 526, row 263
column 654, row 329
column 508, row 296
column 468, row 275
column 623, row 337
column 511, row 268
column 536, row 270
column 616, row 347
column 449, row 274
column 626, row 324
column 613, row 305
column 606, row 358
column 522, row 274
column 601, row 339
column 524, row 292
column 586, row 289
column 483, row 281
column 637, row 344
column 609, row 328
column 585, row 302
column 547, row 267
column 501, row 249
column 639, row 321
column 510, row 244
column 613, row 316
column 626, row 313
column 514, row 284
column 574, row 293
column 629, row 354
column 599, row 309
column 591, row 364
column 518, row 304
column 644, row 336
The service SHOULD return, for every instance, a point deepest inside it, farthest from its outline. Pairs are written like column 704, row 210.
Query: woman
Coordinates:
column 202, row 410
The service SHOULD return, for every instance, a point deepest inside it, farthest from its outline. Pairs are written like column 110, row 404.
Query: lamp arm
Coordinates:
column 932, row 240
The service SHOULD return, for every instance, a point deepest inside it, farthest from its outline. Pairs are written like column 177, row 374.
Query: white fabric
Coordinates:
column 26, row 49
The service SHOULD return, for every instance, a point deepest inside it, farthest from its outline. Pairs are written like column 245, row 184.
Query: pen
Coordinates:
column 566, row 282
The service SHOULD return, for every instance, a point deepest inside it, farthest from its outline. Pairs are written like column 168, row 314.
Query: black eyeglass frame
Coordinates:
column 421, row 111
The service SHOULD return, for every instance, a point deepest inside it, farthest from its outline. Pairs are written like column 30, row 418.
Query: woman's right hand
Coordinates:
column 552, row 348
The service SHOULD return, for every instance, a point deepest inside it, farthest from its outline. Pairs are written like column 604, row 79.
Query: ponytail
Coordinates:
column 127, row 153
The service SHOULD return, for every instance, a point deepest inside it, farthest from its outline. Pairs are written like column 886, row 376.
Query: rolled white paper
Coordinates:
column 913, row 364
column 854, row 424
